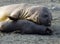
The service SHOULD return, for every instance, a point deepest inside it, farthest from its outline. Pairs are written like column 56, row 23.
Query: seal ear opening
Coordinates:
column 12, row 18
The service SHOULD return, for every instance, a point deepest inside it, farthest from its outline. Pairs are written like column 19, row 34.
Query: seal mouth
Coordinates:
column 48, row 24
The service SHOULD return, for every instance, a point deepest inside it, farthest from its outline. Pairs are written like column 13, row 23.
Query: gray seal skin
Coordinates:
column 24, row 27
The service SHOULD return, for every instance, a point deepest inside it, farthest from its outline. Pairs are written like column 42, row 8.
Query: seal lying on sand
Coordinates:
column 25, row 27
column 35, row 13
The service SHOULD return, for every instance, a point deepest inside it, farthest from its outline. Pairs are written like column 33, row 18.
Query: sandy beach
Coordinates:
column 35, row 39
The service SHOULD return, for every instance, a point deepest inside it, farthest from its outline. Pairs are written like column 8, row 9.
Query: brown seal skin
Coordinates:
column 24, row 27
column 38, row 14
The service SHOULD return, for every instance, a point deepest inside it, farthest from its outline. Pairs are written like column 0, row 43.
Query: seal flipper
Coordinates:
column 11, row 18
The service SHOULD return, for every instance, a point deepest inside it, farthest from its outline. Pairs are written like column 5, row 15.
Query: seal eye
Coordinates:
column 45, row 16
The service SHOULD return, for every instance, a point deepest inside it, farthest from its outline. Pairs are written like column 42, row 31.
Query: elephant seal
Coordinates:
column 35, row 13
column 25, row 27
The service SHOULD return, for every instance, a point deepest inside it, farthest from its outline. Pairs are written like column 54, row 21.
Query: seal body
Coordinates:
column 5, row 11
column 24, row 27
column 35, row 13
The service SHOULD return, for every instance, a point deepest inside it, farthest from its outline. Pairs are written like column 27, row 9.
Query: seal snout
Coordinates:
column 48, row 31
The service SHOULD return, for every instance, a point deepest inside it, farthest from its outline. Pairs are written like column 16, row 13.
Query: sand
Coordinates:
column 34, row 39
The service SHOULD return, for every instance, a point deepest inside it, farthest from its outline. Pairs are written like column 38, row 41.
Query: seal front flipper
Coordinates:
column 12, row 18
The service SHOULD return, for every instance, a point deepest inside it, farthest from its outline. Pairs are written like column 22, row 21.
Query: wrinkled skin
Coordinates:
column 38, row 14
column 24, row 27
